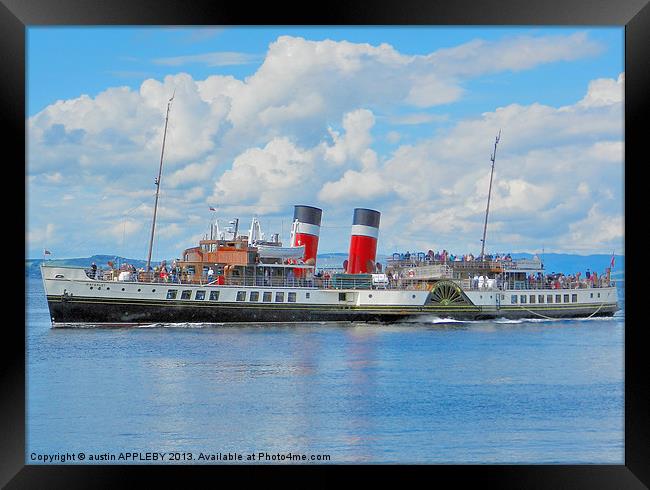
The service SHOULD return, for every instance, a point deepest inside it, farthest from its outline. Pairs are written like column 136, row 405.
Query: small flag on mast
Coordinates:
column 212, row 209
column 46, row 252
column 611, row 264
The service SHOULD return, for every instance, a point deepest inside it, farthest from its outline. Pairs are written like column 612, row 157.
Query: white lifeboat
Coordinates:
column 277, row 252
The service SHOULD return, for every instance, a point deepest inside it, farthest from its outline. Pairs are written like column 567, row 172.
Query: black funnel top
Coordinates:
column 367, row 217
column 308, row 214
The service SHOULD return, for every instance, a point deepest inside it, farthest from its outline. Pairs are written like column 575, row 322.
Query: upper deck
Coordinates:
column 263, row 276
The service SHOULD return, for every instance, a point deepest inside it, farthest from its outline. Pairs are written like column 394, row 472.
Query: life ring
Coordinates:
column 411, row 273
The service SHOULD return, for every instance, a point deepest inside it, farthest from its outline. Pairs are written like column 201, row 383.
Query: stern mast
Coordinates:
column 487, row 209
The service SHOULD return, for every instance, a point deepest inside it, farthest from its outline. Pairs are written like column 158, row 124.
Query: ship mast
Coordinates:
column 487, row 209
column 157, row 182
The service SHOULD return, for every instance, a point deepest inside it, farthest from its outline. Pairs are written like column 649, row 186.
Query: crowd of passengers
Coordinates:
column 161, row 273
column 179, row 274
column 548, row 281
column 446, row 256
column 573, row 281
column 539, row 280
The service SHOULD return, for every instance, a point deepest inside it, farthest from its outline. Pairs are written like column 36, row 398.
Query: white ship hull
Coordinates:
column 73, row 297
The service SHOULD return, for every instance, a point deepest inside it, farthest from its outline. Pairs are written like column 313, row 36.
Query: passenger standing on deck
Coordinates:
column 163, row 271
column 93, row 269
column 220, row 278
column 210, row 274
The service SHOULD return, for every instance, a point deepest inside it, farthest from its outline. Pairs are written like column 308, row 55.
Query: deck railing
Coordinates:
column 347, row 283
column 522, row 264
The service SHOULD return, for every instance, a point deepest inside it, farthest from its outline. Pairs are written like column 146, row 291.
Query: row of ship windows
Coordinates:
column 254, row 296
column 559, row 298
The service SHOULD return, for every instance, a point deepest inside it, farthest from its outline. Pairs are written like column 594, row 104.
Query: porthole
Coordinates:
column 139, row 290
column 122, row 289
column 413, row 296
column 108, row 289
column 153, row 290
column 370, row 295
column 91, row 287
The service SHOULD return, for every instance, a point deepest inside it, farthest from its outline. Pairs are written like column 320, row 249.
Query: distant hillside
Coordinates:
column 566, row 263
column 569, row 263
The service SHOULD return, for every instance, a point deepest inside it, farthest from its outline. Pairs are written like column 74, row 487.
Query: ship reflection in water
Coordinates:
column 504, row 391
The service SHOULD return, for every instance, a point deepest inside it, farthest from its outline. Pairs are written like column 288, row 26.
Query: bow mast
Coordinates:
column 157, row 182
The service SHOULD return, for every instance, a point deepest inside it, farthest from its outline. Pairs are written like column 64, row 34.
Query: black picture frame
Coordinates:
column 17, row 15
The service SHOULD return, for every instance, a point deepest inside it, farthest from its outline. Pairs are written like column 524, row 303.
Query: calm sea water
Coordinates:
column 430, row 392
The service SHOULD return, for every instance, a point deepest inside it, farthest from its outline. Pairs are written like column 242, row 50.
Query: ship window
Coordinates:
column 599, row 295
column 566, row 298
column 540, row 298
column 522, row 298
column 241, row 295
column 341, row 296
column 58, row 276
column 139, row 290
column 255, row 296
column 558, row 298
column 171, row 293
column 279, row 297
column 200, row 295
column 308, row 295
column 532, row 298
column 214, row 295
column 574, row 298
column 591, row 295
column 186, row 294
column 549, row 298
column 153, row 290
column 266, row 297
column 291, row 297
column 91, row 287
column 513, row 299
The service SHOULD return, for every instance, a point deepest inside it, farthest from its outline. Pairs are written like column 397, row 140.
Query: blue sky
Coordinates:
column 401, row 119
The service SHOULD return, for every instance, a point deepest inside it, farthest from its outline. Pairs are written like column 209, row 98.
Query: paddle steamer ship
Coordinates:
column 244, row 278
column 240, row 280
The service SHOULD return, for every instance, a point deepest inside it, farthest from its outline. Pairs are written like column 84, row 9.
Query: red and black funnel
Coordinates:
column 306, row 231
column 363, row 241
